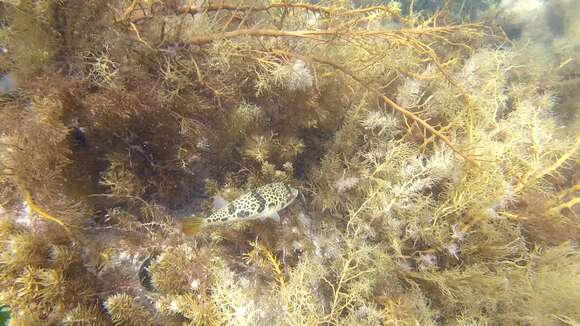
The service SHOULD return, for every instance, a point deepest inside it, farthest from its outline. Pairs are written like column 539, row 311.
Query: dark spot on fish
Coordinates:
column 243, row 214
column 231, row 209
column 287, row 188
column 271, row 205
column 261, row 201
column 224, row 219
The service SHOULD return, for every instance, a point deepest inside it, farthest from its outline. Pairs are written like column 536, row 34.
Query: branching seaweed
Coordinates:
column 433, row 143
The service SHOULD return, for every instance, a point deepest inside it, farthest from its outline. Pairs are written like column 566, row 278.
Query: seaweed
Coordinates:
column 435, row 146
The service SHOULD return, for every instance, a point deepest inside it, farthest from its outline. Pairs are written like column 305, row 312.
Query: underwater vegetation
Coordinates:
column 435, row 149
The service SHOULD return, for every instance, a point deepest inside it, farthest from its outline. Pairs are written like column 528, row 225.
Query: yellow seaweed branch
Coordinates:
column 195, row 9
column 466, row 98
column 275, row 266
column 314, row 34
column 42, row 213
column 270, row 260
column 391, row 103
column 535, row 175
column 350, row 270
column 566, row 205
column 569, row 191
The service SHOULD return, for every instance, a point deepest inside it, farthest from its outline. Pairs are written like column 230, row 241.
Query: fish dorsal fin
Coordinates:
column 219, row 202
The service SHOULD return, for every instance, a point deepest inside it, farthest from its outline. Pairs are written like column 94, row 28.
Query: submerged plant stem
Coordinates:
column 43, row 213
column 391, row 103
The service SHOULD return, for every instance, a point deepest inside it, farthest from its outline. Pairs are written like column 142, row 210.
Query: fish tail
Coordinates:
column 191, row 225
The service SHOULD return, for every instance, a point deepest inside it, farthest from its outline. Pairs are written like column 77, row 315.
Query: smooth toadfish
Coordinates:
column 260, row 203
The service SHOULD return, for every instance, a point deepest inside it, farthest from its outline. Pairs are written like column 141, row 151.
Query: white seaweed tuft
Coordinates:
column 521, row 11
column 345, row 183
column 299, row 77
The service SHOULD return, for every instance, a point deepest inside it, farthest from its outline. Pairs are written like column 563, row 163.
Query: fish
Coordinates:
column 261, row 203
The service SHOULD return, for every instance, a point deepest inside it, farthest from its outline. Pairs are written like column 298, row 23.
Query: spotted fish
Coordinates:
column 260, row 203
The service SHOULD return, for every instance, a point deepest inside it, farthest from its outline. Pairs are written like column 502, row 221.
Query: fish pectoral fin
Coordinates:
column 275, row 216
column 219, row 202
